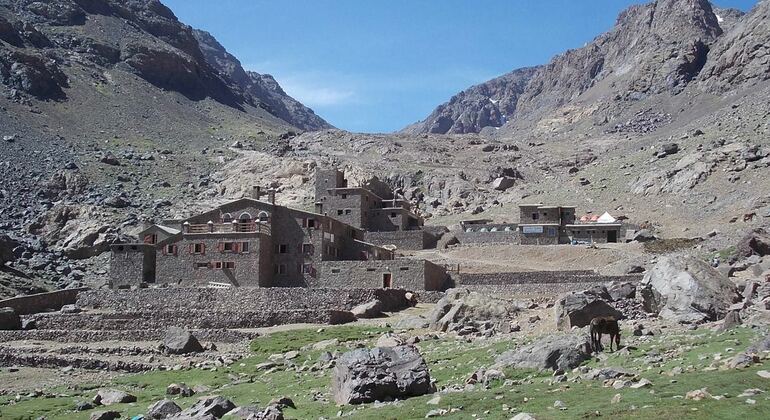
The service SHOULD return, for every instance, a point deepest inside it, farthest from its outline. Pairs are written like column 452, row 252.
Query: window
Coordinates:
column 335, row 270
column 370, row 269
column 310, row 223
column 279, row 269
column 264, row 217
column 169, row 249
column 229, row 265
column 551, row 231
column 202, row 265
column 244, row 247
column 307, row 249
column 151, row 239
column 228, row 246
column 348, row 211
column 198, row 248
column 344, row 196
column 227, row 218
column 392, row 215
column 404, row 268
column 218, row 265
column 307, row 268
column 339, row 212
column 281, row 249
column 535, row 216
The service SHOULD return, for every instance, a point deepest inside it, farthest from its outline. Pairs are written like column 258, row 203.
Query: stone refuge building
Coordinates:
column 552, row 225
column 385, row 218
column 254, row 243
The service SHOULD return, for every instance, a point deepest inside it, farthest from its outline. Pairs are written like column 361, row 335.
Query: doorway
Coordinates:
column 612, row 236
column 387, row 280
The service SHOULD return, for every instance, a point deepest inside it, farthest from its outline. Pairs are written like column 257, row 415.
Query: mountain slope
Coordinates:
column 655, row 48
column 485, row 105
column 109, row 112
column 262, row 87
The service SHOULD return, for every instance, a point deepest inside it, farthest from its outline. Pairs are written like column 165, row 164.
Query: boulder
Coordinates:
column 459, row 307
column 555, row 351
column 163, row 409
column 70, row 309
column 105, row 415
column 389, row 340
column 113, row 396
column 271, row 412
column 687, row 290
column 577, row 309
column 179, row 389
column 368, row 310
column 621, row 290
column 9, row 319
column 756, row 242
column 7, row 245
column 208, row 407
column 180, row 341
column 379, row 374
column 503, row 183
column 732, row 320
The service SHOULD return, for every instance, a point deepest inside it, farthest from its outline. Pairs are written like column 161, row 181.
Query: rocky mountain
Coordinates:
column 486, row 105
column 262, row 87
column 655, row 48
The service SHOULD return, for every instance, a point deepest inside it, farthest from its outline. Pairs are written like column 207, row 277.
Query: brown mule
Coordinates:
column 604, row 325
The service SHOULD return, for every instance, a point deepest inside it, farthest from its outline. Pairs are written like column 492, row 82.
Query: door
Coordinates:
column 387, row 280
column 612, row 236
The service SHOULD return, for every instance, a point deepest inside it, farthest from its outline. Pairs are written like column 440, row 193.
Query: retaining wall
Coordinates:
column 402, row 239
column 237, row 299
column 540, row 277
column 42, row 302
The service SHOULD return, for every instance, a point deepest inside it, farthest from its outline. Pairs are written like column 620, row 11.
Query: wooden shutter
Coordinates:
column 173, row 248
column 236, row 247
column 221, row 246
column 203, row 249
column 191, row 248
column 164, row 250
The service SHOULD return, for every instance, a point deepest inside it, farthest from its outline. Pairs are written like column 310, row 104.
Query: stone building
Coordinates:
column 552, row 225
column 255, row 243
column 386, row 218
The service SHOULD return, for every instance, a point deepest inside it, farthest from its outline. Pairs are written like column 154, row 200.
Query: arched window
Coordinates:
column 244, row 217
column 227, row 218
column 264, row 217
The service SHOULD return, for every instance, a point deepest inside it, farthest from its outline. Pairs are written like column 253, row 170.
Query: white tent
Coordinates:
column 606, row 218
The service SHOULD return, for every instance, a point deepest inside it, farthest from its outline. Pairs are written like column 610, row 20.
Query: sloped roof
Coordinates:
column 606, row 218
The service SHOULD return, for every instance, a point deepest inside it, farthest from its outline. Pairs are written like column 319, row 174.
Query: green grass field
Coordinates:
column 451, row 361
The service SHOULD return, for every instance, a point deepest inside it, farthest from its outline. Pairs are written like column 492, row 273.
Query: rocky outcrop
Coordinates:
column 262, row 87
column 687, row 290
column 555, row 351
column 579, row 308
column 755, row 242
column 363, row 375
column 461, row 308
column 740, row 56
column 208, row 407
column 163, row 409
column 486, row 105
column 113, row 396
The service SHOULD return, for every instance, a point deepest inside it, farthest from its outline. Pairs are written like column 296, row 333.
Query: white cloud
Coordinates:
column 312, row 94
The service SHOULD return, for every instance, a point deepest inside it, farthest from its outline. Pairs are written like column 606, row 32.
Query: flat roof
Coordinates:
column 539, row 224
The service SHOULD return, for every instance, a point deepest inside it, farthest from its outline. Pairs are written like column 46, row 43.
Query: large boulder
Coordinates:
column 7, row 245
column 113, row 396
column 207, row 407
column 756, row 242
column 180, row 341
column 555, row 351
column 163, row 409
column 379, row 374
column 367, row 310
column 686, row 290
column 577, row 309
column 621, row 290
column 459, row 307
column 9, row 319
column 503, row 183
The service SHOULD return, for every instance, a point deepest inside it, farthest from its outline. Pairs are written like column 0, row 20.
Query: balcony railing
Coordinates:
column 249, row 227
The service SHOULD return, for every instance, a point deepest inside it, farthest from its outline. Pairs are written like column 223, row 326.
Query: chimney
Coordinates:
column 255, row 192
column 271, row 195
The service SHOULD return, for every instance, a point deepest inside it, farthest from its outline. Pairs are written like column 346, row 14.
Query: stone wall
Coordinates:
column 540, row 277
column 500, row 236
column 42, row 302
column 536, row 291
column 403, row 239
column 403, row 273
column 183, row 299
column 132, row 264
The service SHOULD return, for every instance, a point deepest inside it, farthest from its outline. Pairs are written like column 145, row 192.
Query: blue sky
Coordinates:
column 378, row 65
